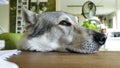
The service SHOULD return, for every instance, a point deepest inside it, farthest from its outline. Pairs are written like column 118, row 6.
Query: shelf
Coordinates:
column 19, row 15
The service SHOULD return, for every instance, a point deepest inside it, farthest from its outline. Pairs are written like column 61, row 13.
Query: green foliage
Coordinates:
column 89, row 25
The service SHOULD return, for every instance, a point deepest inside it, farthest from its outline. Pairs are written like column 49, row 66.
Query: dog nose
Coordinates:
column 100, row 38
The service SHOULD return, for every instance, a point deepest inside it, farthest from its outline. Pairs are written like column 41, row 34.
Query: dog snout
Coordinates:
column 100, row 38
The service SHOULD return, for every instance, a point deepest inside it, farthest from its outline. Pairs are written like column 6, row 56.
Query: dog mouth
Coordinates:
column 80, row 51
column 87, row 48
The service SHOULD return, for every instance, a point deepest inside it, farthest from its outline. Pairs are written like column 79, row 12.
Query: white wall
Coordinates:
column 4, row 18
column 118, row 13
column 62, row 5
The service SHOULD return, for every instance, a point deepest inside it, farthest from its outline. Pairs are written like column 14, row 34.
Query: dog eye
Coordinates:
column 65, row 23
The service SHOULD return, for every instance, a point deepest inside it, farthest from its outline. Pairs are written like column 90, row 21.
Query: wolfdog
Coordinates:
column 58, row 31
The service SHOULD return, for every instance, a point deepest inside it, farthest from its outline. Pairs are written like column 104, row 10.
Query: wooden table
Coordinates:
column 67, row 60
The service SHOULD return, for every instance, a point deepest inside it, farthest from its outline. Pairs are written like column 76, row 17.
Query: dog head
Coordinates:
column 63, row 29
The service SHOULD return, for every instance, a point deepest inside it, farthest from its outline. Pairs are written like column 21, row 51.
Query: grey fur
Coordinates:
column 58, row 31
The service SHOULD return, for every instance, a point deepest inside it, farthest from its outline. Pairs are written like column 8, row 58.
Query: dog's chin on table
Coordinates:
column 58, row 31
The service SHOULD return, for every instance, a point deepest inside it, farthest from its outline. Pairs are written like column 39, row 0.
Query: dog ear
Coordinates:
column 29, row 17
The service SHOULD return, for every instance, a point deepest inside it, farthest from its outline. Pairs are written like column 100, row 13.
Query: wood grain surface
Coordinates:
column 102, row 59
